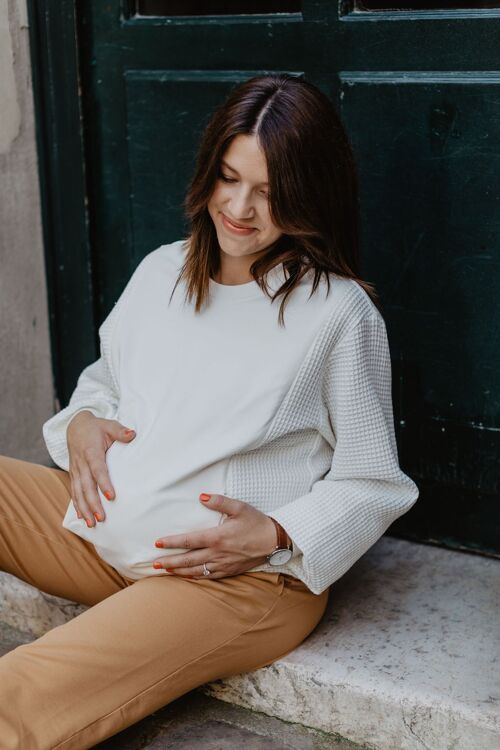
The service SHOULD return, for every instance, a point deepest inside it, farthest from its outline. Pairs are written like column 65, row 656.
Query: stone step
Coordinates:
column 405, row 658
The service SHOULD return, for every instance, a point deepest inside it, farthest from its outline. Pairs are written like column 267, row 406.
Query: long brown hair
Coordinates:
column 313, row 186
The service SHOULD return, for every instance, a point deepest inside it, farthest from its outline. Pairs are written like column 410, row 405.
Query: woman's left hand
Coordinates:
column 240, row 543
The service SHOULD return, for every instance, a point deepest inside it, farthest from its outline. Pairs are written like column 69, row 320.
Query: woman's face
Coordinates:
column 241, row 196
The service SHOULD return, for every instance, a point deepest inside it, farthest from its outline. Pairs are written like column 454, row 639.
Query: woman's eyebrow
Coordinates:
column 224, row 162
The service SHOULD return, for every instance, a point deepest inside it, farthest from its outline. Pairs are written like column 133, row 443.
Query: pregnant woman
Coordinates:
column 229, row 455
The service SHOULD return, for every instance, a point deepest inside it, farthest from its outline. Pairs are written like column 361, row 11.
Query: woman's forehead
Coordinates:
column 245, row 155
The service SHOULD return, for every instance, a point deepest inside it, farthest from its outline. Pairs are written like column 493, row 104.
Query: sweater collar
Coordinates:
column 250, row 289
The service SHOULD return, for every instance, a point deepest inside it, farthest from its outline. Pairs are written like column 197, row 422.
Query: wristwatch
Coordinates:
column 283, row 551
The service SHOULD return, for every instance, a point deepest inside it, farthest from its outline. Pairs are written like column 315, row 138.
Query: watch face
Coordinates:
column 280, row 556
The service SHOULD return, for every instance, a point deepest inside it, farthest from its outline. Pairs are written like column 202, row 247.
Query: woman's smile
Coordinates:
column 235, row 229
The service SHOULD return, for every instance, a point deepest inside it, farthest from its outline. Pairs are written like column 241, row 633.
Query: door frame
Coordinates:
column 61, row 162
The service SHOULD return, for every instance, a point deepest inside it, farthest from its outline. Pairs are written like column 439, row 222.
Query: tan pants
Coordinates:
column 141, row 644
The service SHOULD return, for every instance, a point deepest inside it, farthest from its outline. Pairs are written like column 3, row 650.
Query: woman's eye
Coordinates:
column 225, row 178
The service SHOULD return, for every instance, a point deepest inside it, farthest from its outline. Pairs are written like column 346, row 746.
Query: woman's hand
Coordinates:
column 240, row 543
column 88, row 438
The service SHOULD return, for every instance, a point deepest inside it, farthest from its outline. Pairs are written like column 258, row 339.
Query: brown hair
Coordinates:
column 313, row 190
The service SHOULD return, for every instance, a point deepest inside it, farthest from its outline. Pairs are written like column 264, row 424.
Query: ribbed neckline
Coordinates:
column 250, row 289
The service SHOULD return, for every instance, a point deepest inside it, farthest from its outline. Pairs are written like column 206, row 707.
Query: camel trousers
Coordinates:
column 140, row 644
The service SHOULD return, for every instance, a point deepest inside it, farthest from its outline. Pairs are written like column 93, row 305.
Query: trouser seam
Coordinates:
column 172, row 674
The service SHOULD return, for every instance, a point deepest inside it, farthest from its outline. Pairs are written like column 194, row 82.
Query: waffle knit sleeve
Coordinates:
column 97, row 388
column 364, row 490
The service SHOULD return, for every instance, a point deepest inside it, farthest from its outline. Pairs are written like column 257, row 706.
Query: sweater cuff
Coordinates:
column 296, row 550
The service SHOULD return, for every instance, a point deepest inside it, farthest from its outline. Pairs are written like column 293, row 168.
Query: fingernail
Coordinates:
column 97, row 516
column 204, row 497
column 169, row 570
column 79, row 514
column 88, row 522
column 129, row 432
column 108, row 494
column 157, row 565
column 158, row 544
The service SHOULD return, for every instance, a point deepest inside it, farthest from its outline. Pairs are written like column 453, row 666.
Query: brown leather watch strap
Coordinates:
column 281, row 535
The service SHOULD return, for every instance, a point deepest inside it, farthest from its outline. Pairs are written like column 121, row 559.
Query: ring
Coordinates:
column 206, row 571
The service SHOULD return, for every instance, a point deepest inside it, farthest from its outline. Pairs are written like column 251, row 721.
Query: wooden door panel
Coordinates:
column 429, row 160
column 431, row 153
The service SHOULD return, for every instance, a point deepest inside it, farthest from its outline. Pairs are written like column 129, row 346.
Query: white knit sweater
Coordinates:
column 327, row 465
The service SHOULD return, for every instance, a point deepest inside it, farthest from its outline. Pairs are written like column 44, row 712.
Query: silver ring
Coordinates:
column 206, row 571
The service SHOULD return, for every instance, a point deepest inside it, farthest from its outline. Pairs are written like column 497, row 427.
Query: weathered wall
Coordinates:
column 25, row 364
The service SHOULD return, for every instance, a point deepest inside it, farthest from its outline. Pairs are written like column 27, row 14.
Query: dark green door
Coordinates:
column 419, row 93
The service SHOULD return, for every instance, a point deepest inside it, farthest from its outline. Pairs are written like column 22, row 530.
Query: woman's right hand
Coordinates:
column 88, row 438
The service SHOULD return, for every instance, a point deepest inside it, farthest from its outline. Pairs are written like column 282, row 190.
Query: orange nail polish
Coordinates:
column 97, row 516
column 158, row 544
column 204, row 497
column 157, row 565
column 88, row 522
column 108, row 494
column 169, row 570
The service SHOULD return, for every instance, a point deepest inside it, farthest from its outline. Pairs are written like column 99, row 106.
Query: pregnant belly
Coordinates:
column 142, row 511
column 126, row 538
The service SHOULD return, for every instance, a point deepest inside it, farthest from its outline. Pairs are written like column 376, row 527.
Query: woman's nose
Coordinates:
column 241, row 205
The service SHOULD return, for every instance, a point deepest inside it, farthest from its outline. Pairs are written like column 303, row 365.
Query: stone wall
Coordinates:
column 26, row 382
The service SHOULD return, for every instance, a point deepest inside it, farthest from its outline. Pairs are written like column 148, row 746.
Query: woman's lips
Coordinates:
column 236, row 230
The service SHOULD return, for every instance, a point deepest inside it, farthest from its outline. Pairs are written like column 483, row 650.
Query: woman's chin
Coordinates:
column 239, row 246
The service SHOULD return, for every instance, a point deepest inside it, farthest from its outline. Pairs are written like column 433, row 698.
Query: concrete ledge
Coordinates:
column 406, row 657
column 32, row 611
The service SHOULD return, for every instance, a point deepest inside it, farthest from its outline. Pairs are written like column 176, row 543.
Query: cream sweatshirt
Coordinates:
column 296, row 421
